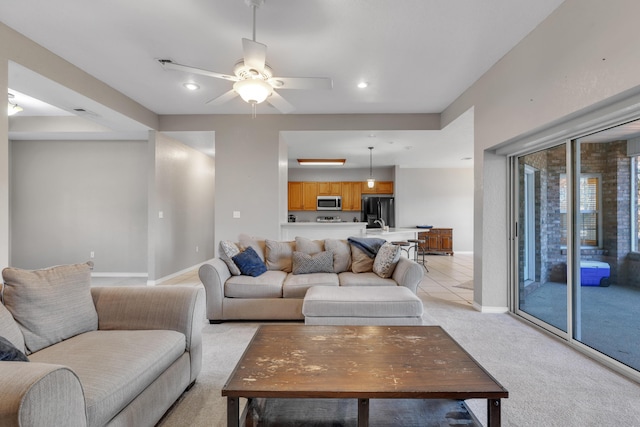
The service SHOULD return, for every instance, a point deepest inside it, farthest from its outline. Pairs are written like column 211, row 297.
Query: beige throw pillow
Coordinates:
column 341, row 251
column 279, row 255
column 258, row 245
column 360, row 261
column 52, row 304
column 309, row 246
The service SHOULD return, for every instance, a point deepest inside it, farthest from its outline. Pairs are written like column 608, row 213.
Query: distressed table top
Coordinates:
column 364, row 362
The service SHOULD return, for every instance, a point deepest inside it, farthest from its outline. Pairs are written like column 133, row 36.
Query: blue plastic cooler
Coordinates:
column 594, row 273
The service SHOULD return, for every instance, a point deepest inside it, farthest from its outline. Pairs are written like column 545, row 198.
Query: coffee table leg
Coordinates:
column 363, row 412
column 233, row 412
column 493, row 413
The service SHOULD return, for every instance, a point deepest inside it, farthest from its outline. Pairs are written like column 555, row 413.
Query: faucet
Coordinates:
column 380, row 221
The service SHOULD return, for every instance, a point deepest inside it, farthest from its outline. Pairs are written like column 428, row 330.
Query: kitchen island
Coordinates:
column 321, row 230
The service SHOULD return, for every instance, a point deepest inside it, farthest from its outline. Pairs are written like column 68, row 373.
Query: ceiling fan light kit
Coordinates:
column 253, row 78
column 13, row 108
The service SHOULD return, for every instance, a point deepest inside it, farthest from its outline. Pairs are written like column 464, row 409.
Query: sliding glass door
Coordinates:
column 542, row 255
column 578, row 262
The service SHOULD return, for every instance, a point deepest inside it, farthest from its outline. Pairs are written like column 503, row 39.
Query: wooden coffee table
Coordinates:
column 358, row 362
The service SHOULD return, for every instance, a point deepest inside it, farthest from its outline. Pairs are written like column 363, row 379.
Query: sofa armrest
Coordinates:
column 213, row 275
column 40, row 394
column 176, row 308
column 408, row 273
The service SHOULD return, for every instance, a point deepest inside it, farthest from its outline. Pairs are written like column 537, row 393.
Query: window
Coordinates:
column 590, row 208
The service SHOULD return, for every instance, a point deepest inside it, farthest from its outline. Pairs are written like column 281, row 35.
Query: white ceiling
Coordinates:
column 418, row 56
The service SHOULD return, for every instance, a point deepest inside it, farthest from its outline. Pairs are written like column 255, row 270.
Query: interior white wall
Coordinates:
column 583, row 53
column 340, row 174
column 5, row 235
column 183, row 188
column 439, row 197
column 71, row 198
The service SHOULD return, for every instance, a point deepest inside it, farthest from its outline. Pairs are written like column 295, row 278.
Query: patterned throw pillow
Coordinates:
column 386, row 260
column 278, row 255
column 228, row 250
column 321, row 262
column 250, row 263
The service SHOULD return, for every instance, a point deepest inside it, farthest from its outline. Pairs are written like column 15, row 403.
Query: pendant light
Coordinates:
column 370, row 180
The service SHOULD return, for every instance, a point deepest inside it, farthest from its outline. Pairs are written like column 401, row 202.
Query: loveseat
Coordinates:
column 97, row 356
column 290, row 268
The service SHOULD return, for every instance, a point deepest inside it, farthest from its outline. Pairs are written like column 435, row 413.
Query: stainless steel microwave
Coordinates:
column 329, row 203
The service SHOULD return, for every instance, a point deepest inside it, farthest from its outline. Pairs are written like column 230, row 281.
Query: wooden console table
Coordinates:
column 358, row 362
column 437, row 241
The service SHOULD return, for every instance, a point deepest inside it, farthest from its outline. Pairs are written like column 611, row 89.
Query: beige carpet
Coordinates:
column 549, row 383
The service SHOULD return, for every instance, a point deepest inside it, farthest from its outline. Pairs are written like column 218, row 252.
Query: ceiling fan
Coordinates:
column 253, row 78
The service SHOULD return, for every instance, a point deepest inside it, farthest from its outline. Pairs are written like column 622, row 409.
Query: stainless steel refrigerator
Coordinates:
column 378, row 207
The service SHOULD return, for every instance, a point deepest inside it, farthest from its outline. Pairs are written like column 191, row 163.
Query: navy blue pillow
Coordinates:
column 8, row 352
column 249, row 263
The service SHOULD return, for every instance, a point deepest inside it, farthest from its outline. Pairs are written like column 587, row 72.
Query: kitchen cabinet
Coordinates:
column 330, row 188
column 309, row 196
column 379, row 187
column 437, row 240
column 295, row 196
column 351, row 196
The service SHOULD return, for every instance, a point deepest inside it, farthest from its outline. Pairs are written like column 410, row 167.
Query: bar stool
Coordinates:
column 416, row 251
column 404, row 246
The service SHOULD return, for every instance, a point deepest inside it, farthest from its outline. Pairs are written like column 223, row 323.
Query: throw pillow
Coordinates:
column 309, row 246
column 318, row 263
column 228, row 250
column 52, row 304
column 257, row 244
column 360, row 261
column 9, row 353
column 341, row 254
column 249, row 263
column 386, row 260
column 278, row 255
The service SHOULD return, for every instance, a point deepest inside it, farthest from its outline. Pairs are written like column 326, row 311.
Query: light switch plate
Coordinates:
column 236, row 214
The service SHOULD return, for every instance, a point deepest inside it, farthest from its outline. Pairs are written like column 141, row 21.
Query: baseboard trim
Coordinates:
column 177, row 273
column 490, row 310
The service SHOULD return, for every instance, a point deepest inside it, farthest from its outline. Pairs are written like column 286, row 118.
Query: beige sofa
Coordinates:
column 278, row 293
column 116, row 356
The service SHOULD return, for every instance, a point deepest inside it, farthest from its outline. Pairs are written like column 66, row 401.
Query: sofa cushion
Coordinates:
column 360, row 261
column 296, row 285
column 278, row 255
column 386, row 259
column 228, row 250
column 341, row 251
column 9, row 353
column 52, row 304
column 309, row 246
column 249, row 263
column 256, row 243
column 321, row 262
column 364, row 279
column 114, row 367
column 10, row 329
column 267, row 285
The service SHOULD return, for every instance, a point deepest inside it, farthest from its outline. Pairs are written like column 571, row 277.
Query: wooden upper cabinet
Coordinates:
column 351, row 196
column 295, row 196
column 329, row 188
column 379, row 187
column 309, row 196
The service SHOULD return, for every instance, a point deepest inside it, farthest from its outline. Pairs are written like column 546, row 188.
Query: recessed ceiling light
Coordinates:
column 363, row 85
column 191, row 86
column 321, row 162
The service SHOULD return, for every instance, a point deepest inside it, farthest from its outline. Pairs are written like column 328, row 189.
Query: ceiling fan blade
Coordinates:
column 255, row 54
column 227, row 96
column 170, row 65
column 280, row 103
column 301, row 82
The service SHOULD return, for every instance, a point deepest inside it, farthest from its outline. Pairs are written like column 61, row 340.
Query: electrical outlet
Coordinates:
column 92, row 254
column 197, row 249
column 160, row 214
